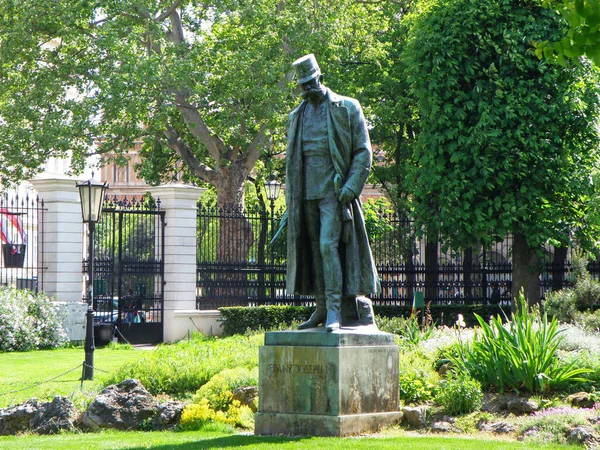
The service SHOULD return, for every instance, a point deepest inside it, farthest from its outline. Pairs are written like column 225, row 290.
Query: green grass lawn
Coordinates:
column 26, row 375
column 207, row 440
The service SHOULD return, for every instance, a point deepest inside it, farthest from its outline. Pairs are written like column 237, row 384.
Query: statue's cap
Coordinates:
column 306, row 68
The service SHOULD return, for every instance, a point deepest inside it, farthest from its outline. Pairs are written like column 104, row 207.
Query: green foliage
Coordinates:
column 576, row 304
column 182, row 368
column 442, row 314
column 459, row 394
column 508, row 143
column 520, row 355
column 408, row 329
column 417, row 378
column 583, row 35
column 238, row 320
column 201, row 417
column 219, row 389
column 562, row 305
column 205, row 86
column 29, row 321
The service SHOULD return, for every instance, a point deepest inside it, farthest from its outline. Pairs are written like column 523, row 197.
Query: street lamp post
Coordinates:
column 272, row 188
column 91, row 195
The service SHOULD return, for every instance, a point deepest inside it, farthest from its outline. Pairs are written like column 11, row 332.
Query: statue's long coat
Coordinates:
column 351, row 155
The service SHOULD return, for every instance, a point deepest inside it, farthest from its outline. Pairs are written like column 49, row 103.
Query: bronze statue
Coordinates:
column 328, row 160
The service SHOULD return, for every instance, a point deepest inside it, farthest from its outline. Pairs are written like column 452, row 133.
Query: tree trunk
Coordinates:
column 558, row 268
column 235, row 240
column 526, row 271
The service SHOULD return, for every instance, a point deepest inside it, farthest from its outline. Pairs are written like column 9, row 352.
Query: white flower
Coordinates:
column 461, row 321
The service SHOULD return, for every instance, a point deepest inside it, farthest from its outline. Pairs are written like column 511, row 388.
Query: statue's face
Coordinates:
column 313, row 90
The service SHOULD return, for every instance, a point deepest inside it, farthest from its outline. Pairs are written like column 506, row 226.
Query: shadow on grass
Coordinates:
column 237, row 441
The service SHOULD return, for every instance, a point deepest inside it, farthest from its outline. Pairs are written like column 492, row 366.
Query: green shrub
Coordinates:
column 239, row 319
column 200, row 416
column 219, row 389
column 561, row 305
column 587, row 292
column 29, row 321
column 181, row 369
column 520, row 355
column 459, row 394
column 589, row 320
column 443, row 314
column 417, row 379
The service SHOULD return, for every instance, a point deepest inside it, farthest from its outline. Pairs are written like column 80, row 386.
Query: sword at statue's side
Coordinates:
column 282, row 225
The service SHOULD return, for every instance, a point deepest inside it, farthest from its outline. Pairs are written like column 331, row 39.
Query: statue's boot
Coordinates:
column 318, row 317
column 334, row 313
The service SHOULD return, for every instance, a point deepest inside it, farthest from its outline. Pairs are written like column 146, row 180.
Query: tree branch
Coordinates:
column 198, row 127
column 182, row 149
column 176, row 4
column 250, row 156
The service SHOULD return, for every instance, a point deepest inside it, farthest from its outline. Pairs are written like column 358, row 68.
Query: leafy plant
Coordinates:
column 459, row 394
column 181, row 369
column 408, row 329
column 29, row 321
column 417, row 379
column 219, row 389
column 520, row 355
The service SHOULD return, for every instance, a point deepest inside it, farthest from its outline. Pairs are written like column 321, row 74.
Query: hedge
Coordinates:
column 239, row 319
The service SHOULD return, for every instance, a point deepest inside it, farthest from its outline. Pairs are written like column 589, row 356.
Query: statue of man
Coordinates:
column 328, row 160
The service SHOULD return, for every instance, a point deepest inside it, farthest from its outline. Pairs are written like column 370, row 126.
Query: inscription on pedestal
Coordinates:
column 318, row 369
column 327, row 390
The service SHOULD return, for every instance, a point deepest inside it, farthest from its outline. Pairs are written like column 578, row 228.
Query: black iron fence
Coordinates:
column 22, row 241
column 238, row 266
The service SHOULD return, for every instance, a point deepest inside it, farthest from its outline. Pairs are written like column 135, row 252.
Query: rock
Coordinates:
column 16, row 419
column 124, row 406
column 52, row 417
column 594, row 420
column 443, row 427
column 583, row 435
column 493, row 404
column 497, row 427
column 520, row 406
column 168, row 415
column 581, row 400
column 445, row 368
column 247, row 395
column 415, row 416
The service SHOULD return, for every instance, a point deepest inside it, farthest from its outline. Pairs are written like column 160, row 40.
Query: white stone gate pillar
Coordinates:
column 63, row 237
column 179, row 203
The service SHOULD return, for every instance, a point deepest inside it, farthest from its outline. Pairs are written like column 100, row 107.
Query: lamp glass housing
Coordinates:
column 91, row 195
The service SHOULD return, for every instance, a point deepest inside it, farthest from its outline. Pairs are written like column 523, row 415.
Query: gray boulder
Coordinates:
column 497, row 427
column 583, row 435
column 124, row 406
column 52, row 417
column 520, row 406
column 16, row 419
column 168, row 415
column 246, row 395
column 415, row 416
column 41, row 418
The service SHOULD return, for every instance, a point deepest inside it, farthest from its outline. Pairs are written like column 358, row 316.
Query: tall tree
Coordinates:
column 203, row 84
column 508, row 143
column 583, row 35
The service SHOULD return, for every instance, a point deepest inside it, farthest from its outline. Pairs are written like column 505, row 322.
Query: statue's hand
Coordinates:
column 346, row 195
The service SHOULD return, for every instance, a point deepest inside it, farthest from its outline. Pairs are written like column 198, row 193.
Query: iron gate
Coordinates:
column 129, row 270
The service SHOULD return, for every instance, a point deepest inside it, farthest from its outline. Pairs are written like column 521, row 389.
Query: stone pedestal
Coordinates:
column 314, row 383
